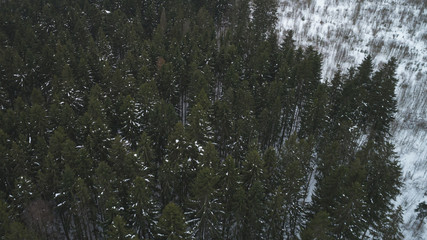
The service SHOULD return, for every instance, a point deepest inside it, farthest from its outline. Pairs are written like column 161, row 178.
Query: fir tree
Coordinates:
column 171, row 225
column 382, row 101
column 231, row 198
column 318, row 228
column 118, row 230
column 382, row 180
column 205, row 205
column 83, row 210
column 142, row 208
column 106, row 199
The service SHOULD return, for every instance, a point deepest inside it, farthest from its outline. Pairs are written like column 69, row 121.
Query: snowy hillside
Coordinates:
column 345, row 31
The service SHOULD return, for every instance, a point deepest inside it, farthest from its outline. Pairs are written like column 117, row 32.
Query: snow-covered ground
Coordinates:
column 345, row 31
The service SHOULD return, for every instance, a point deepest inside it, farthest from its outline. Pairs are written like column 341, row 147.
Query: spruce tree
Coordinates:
column 118, row 230
column 106, row 197
column 142, row 208
column 204, row 204
column 318, row 228
column 382, row 101
column 295, row 171
column 162, row 120
column 231, row 197
column 199, row 127
column 64, row 199
column 83, row 210
column 171, row 225
column 130, row 119
column 179, row 166
column 382, row 180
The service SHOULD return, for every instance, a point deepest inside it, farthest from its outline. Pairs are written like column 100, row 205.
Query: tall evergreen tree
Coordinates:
column 118, row 230
column 382, row 180
column 382, row 101
column 179, row 166
column 142, row 209
column 106, row 197
column 229, row 182
column 171, row 224
column 205, row 205
column 296, row 169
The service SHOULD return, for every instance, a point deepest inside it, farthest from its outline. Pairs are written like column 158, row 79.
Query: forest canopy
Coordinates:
column 161, row 119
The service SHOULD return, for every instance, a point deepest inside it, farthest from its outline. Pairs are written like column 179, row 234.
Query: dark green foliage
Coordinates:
column 118, row 230
column 231, row 198
column 295, row 172
column 18, row 231
column 318, row 228
column 171, row 225
column 205, row 206
column 390, row 227
column 382, row 181
column 142, row 209
column 422, row 210
column 179, row 166
column 112, row 110
column 382, row 101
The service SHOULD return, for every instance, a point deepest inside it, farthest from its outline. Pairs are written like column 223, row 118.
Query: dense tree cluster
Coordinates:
column 161, row 119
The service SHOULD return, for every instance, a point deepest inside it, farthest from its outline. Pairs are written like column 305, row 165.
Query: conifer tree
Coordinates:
column 254, row 222
column 6, row 179
column 118, row 230
column 171, row 225
column 106, row 199
column 130, row 119
column 37, row 121
column 231, row 198
column 55, row 162
column 239, row 213
column 390, row 228
column 382, row 101
column 296, row 169
column 179, row 167
column 210, row 157
column 167, row 84
column 162, row 120
column 142, row 208
column 274, row 202
column 205, row 205
column 252, row 169
column 146, row 98
column 275, row 213
column 17, row 162
column 357, row 92
column 121, row 161
column 146, row 159
column 382, row 180
column 318, row 228
column 240, row 24
column 24, row 192
column 4, row 217
column 199, row 126
column 314, row 120
column 335, row 91
column 222, row 126
column 64, row 199
column 61, row 114
column 83, row 210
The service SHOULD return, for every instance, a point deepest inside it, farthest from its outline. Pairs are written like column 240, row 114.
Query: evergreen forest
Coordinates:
column 187, row 119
